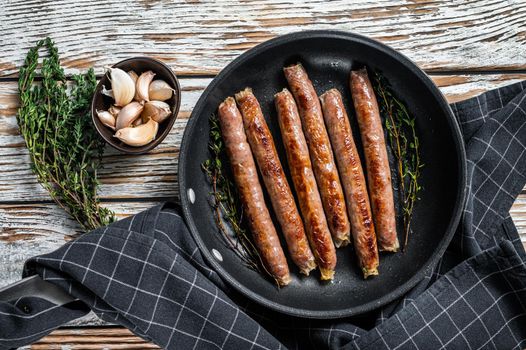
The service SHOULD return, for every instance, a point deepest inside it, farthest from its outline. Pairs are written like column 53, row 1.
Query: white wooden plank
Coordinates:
column 202, row 37
column 518, row 214
column 461, row 87
column 110, row 338
column 154, row 175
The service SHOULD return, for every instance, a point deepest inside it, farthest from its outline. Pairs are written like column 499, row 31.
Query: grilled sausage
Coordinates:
column 250, row 192
column 264, row 150
column 353, row 181
column 305, row 184
column 378, row 171
column 320, row 152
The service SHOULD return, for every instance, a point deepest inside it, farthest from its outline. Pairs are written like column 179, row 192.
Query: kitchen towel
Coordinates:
column 147, row 274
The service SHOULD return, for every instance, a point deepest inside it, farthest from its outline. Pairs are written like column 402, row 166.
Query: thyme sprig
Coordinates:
column 225, row 202
column 404, row 143
column 64, row 147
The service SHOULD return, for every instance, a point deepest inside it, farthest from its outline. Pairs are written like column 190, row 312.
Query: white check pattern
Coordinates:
column 147, row 273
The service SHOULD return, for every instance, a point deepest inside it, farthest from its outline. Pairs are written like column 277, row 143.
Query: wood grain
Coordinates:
column 111, row 338
column 518, row 213
column 463, row 86
column 31, row 229
column 155, row 175
column 449, row 37
column 202, row 39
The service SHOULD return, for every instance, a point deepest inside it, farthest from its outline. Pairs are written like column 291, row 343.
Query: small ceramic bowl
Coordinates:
column 102, row 102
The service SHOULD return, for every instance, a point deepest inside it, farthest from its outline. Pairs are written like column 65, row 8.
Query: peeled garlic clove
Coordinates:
column 114, row 110
column 156, row 110
column 142, row 86
column 140, row 135
column 128, row 114
column 137, row 122
column 106, row 118
column 122, row 86
column 160, row 90
column 107, row 92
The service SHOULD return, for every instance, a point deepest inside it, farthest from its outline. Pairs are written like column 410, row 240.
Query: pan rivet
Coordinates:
column 217, row 255
column 191, row 195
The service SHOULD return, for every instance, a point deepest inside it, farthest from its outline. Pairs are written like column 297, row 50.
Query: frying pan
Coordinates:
column 328, row 57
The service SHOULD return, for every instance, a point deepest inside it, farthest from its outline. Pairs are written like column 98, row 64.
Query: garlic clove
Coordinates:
column 128, row 114
column 140, row 135
column 114, row 110
column 156, row 110
column 142, row 85
column 137, row 122
column 106, row 118
column 122, row 86
column 160, row 90
column 133, row 75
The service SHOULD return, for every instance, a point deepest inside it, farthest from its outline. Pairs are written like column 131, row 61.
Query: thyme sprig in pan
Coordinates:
column 225, row 202
column 64, row 147
column 404, row 143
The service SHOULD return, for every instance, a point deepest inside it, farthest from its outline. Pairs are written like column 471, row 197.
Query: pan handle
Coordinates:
column 35, row 286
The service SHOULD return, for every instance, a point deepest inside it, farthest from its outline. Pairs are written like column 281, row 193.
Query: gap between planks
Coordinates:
column 432, row 72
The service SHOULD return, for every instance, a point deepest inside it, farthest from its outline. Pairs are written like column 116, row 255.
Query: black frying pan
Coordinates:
column 328, row 57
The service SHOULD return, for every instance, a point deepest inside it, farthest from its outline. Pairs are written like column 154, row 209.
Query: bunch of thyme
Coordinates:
column 63, row 144
column 225, row 202
column 405, row 146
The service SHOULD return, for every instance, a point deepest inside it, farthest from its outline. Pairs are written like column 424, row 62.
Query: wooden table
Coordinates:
column 467, row 47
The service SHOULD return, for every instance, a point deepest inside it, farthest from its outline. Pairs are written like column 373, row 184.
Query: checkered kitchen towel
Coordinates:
column 146, row 273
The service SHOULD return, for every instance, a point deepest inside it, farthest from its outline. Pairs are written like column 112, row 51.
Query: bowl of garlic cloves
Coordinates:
column 135, row 104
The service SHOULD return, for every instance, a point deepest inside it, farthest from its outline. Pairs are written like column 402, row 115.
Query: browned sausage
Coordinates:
column 320, row 153
column 378, row 171
column 250, row 192
column 305, row 184
column 263, row 148
column 353, row 181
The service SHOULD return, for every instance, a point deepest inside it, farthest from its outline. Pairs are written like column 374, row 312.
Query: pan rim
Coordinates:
column 452, row 225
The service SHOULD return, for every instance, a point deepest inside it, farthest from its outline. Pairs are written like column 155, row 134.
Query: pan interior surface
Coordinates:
column 328, row 57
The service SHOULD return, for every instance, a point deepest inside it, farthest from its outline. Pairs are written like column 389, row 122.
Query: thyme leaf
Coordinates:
column 63, row 145
column 404, row 144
